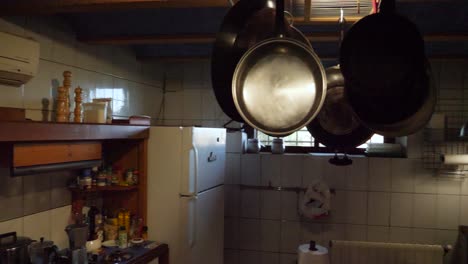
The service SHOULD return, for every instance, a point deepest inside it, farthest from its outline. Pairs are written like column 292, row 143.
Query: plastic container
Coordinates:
column 95, row 112
column 109, row 107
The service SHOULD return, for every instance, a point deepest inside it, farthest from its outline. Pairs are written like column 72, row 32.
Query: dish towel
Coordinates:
column 316, row 201
column 355, row 252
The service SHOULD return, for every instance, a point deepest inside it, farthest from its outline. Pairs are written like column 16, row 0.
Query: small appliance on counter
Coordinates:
column 14, row 249
column 77, row 236
column 43, row 252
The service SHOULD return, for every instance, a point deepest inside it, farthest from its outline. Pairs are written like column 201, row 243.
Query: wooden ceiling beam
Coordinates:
column 210, row 38
column 46, row 7
column 440, row 57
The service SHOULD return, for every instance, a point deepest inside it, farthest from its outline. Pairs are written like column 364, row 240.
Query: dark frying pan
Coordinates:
column 335, row 126
column 387, row 84
column 247, row 23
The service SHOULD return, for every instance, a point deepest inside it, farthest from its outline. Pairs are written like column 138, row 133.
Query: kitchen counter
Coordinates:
column 141, row 255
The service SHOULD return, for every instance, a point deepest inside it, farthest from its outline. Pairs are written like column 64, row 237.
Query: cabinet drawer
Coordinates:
column 50, row 153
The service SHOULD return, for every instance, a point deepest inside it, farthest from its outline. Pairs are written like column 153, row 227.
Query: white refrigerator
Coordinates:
column 186, row 193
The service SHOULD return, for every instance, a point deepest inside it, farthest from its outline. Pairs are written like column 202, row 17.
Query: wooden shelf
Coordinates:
column 105, row 189
column 48, row 131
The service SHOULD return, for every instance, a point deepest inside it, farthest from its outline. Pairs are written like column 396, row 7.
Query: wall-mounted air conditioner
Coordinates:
column 19, row 59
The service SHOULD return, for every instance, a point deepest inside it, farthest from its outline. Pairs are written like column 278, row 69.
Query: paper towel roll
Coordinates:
column 307, row 254
column 454, row 159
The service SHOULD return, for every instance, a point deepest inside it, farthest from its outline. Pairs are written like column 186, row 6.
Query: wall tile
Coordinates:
column 270, row 258
column 249, row 257
column 400, row 235
column 11, row 195
column 333, row 232
column 314, row 170
column 357, row 175
column 379, row 208
column 231, row 256
column 250, row 203
column 311, row 231
column 271, row 170
column 289, row 206
column 464, row 210
column 271, row 235
column 424, row 210
column 447, row 186
column 192, row 104
column 270, row 205
column 338, row 207
column 14, row 225
column 36, row 194
column 448, row 207
column 231, row 233
column 288, row 258
column 402, row 175
column 292, row 167
column 59, row 219
column 231, row 200
column 424, row 181
column 356, row 232
column 378, row 233
column 38, row 225
column 356, row 207
column 335, row 176
column 233, row 170
column 172, row 107
column 209, row 104
column 380, row 177
column 59, row 194
column 446, row 237
column 249, row 234
column 290, row 236
column 12, row 96
column 423, row 236
column 250, row 169
column 401, row 210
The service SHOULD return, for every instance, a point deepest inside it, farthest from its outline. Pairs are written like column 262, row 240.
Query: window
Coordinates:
column 303, row 138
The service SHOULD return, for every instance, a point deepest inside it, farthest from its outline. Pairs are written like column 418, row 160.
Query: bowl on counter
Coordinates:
column 93, row 245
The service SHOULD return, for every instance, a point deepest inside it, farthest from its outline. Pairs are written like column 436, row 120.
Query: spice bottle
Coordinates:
column 129, row 177
column 123, row 237
column 144, row 233
column 136, row 175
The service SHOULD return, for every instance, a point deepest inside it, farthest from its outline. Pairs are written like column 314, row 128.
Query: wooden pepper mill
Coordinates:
column 67, row 85
column 61, row 111
column 78, row 108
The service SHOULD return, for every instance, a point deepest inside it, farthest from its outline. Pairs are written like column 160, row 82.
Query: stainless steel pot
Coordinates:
column 279, row 85
column 43, row 252
column 14, row 249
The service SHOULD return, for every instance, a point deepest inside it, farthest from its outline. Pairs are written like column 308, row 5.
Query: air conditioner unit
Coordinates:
column 19, row 59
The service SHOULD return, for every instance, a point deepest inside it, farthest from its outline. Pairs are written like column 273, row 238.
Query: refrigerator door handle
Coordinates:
column 193, row 150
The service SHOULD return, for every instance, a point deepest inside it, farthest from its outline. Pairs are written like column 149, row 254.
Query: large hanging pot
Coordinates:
column 335, row 126
column 247, row 23
column 387, row 78
column 279, row 85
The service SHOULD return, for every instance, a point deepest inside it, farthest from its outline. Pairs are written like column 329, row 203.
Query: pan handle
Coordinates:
column 345, row 161
column 279, row 18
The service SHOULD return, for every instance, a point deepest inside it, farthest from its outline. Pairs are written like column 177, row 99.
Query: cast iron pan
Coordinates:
column 247, row 23
column 383, row 61
column 335, row 126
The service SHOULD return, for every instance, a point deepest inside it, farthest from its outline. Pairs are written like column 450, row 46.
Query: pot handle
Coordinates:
column 10, row 234
column 279, row 22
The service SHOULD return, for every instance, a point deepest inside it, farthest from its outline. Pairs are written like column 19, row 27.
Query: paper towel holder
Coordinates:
column 312, row 246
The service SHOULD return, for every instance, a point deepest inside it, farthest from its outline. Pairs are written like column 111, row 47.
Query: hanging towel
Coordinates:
column 316, row 201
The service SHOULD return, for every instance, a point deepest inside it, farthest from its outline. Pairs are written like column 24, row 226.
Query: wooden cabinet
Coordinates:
column 48, row 146
column 34, row 154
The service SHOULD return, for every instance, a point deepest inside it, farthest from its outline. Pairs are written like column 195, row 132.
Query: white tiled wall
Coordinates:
column 267, row 222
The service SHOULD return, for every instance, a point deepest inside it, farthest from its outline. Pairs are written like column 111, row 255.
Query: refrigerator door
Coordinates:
column 204, row 159
column 202, row 228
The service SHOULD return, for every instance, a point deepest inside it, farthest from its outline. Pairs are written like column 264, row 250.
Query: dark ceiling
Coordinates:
column 162, row 32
